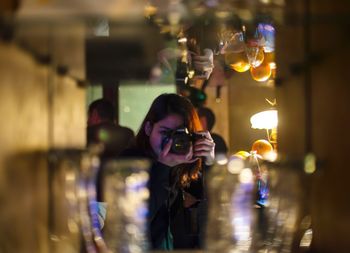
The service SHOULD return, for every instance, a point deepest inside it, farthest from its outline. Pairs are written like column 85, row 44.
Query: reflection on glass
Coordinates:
column 306, row 239
column 237, row 61
column 255, row 55
column 262, row 204
column 241, row 211
column 126, row 195
column 283, row 209
column 221, row 185
column 87, row 204
column 64, row 230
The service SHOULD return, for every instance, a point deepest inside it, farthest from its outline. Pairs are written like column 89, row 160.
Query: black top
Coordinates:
column 163, row 204
column 166, row 210
column 164, row 199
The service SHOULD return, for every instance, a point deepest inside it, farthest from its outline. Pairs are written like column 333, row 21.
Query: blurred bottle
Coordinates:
column 254, row 208
column 219, row 233
column 126, row 197
column 119, row 223
column 230, row 213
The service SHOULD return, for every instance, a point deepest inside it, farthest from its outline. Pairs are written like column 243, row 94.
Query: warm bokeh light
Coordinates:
column 262, row 72
column 306, row 240
column 270, row 57
column 246, row 176
column 240, row 67
column 242, row 154
column 259, row 58
column 265, row 120
column 271, row 156
column 310, row 163
column 262, row 147
column 235, row 164
column 221, row 159
column 255, row 56
column 150, row 10
column 237, row 61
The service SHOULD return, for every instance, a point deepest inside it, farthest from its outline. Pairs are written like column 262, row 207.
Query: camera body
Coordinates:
column 182, row 140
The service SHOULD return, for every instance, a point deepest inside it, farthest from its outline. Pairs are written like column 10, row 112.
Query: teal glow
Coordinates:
column 135, row 100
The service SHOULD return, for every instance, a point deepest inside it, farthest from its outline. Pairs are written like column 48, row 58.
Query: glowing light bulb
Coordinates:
column 265, row 120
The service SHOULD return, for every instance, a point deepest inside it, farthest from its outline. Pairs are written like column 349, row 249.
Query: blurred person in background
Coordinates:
column 174, row 170
column 102, row 129
column 207, row 118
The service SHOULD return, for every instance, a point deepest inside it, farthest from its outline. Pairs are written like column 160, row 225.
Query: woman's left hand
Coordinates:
column 205, row 147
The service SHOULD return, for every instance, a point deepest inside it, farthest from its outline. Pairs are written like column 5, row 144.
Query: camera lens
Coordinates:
column 181, row 141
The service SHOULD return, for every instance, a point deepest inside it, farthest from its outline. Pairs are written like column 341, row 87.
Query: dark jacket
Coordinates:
column 163, row 202
column 188, row 224
column 170, row 224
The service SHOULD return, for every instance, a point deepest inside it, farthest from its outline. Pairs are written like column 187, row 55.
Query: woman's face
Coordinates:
column 158, row 131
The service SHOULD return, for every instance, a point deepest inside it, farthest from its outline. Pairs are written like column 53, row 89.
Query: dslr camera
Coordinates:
column 182, row 140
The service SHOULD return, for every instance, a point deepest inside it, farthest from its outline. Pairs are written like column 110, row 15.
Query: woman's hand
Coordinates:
column 205, row 147
column 204, row 63
column 172, row 160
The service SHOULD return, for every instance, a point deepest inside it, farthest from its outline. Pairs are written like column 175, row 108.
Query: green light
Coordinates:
column 310, row 163
column 103, row 135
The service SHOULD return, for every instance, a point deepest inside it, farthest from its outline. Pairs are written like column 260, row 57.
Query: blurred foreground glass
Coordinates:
column 238, row 222
column 126, row 198
column 64, row 201
column 72, row 182
column 78, row 222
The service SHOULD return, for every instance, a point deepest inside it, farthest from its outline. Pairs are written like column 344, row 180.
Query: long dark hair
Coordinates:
column 163, row 106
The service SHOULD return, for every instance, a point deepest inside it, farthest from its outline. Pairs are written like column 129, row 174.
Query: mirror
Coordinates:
column 219, row 55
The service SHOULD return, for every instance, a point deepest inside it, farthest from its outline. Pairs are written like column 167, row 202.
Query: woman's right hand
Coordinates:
column 171, row 160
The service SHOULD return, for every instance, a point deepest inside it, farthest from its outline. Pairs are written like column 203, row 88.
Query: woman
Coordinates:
column 172, row 172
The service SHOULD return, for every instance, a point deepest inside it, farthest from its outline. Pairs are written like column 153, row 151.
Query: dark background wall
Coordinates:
column 312, row 55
